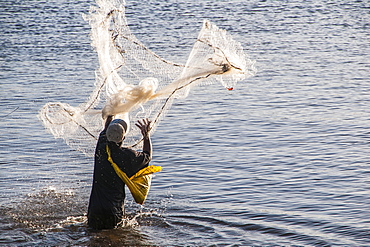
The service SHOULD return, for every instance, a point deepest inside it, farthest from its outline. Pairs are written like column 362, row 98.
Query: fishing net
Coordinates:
column 134, row 83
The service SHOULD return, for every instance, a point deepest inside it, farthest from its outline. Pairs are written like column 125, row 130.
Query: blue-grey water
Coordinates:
column 282, row 160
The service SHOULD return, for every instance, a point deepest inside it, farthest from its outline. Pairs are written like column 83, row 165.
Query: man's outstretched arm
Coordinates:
column 108, row 121
column 144, row 126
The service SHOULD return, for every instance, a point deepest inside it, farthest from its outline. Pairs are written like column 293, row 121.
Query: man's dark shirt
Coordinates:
column 108, row 190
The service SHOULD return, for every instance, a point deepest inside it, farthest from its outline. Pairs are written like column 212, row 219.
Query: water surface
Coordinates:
column 281, row 160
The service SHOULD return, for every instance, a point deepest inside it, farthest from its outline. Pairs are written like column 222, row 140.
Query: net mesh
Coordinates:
column 134, row 83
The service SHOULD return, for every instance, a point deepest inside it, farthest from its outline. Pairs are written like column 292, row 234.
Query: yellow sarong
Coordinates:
column 138, row 184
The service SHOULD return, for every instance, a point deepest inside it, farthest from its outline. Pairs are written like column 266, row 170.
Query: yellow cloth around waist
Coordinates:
column 138, row 184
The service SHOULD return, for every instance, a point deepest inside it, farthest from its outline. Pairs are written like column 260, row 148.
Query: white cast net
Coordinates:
column 134, row 83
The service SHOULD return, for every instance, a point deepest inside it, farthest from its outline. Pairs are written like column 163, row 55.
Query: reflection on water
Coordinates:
column 120, row 237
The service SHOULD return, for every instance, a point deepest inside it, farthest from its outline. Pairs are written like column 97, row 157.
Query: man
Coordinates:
column 108, row 190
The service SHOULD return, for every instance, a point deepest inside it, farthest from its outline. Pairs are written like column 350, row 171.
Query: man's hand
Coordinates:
column 144, row 126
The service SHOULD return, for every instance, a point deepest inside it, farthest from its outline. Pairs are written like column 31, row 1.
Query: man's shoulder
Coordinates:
column 133, row 153
column 128, row 151
column 103, row 137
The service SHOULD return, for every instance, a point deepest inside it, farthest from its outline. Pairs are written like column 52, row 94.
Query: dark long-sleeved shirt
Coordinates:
column 108, row 190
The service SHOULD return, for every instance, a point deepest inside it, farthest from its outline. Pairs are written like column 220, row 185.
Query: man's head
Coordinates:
column 116, row 131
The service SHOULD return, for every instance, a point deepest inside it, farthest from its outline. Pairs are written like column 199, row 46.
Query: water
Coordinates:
column 281, row 160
